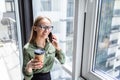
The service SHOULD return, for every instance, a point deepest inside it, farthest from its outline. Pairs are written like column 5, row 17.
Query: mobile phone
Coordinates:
column 50, row 36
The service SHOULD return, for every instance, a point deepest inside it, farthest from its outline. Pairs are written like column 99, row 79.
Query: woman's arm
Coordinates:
column 27, row 74
column 60, row 56
column 59, row 53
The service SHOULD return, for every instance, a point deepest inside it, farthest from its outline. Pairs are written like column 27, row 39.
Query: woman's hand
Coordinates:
column 55, row 42
column 33, row 64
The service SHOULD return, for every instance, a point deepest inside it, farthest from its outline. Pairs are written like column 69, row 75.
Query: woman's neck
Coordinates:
column 41, row 42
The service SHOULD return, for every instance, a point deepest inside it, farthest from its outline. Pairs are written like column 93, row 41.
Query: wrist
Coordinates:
column 28, row 69
column 58, row 49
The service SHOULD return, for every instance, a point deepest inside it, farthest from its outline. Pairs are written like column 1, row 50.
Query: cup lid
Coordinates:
column 39, row 51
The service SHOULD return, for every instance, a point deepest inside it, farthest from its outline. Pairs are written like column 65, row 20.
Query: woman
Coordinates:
column 32, row 68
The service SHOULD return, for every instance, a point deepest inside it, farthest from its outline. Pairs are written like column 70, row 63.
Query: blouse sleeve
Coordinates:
column 26, row 59
column 60, row 56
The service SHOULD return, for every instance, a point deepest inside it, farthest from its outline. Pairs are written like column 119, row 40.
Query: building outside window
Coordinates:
column 102, row 47
column 105, row 62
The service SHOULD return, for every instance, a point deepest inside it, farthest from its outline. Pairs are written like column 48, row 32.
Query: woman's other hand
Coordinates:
column 33, row 64
column 55, row 42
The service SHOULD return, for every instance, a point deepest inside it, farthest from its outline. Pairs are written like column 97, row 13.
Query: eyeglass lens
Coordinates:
column 46, row 27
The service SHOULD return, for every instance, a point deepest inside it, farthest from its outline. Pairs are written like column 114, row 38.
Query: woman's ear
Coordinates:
column 34, row 28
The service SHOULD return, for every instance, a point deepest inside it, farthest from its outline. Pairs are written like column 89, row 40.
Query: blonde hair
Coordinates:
column 33, row 34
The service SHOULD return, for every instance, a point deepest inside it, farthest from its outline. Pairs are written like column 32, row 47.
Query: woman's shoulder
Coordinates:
column 29, row 48
column 28, row 45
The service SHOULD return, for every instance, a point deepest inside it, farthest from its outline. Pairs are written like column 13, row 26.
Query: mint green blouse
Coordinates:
column 50, row 54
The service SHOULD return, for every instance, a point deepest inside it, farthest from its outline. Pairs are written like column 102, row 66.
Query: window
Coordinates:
column 10, row 42
column 103, row 40
column 46, row 5
column 116, row 12
column 115, row 28
column 9, row 6
column 113, row 42
column 70, row 8
column 61, row 14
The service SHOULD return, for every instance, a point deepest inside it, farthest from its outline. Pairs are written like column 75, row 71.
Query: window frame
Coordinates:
column 17, row 15
column 79, row 22
column 91, row 23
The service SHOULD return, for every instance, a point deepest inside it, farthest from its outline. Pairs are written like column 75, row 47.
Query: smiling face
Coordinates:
column 43, row 28
column 40, row 29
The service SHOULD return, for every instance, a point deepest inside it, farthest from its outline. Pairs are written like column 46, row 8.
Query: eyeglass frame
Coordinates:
column 46, row 27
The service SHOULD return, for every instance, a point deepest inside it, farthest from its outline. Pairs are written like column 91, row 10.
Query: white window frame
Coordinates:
column 92, row 12
column 80, row 7
column 19, row 35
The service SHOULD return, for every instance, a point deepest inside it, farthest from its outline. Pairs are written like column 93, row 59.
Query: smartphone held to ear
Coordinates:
column 50, row 36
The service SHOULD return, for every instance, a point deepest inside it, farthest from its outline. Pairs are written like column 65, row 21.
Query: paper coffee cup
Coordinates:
column 39, row 54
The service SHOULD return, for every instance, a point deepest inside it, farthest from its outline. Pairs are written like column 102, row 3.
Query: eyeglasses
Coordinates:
column 46, row 27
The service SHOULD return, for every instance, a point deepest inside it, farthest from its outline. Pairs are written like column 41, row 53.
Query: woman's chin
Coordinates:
column 45, row 37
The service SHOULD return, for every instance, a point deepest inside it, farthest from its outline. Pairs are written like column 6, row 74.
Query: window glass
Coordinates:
column 107, row 58
column 9, row 48
column 46, row 5
column 61, row 14
column 9, row 6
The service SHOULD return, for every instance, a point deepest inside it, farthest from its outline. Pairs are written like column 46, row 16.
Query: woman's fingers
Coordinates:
column 55, row 42
column 33, row 64
column 37, row 65
column 54, row 37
